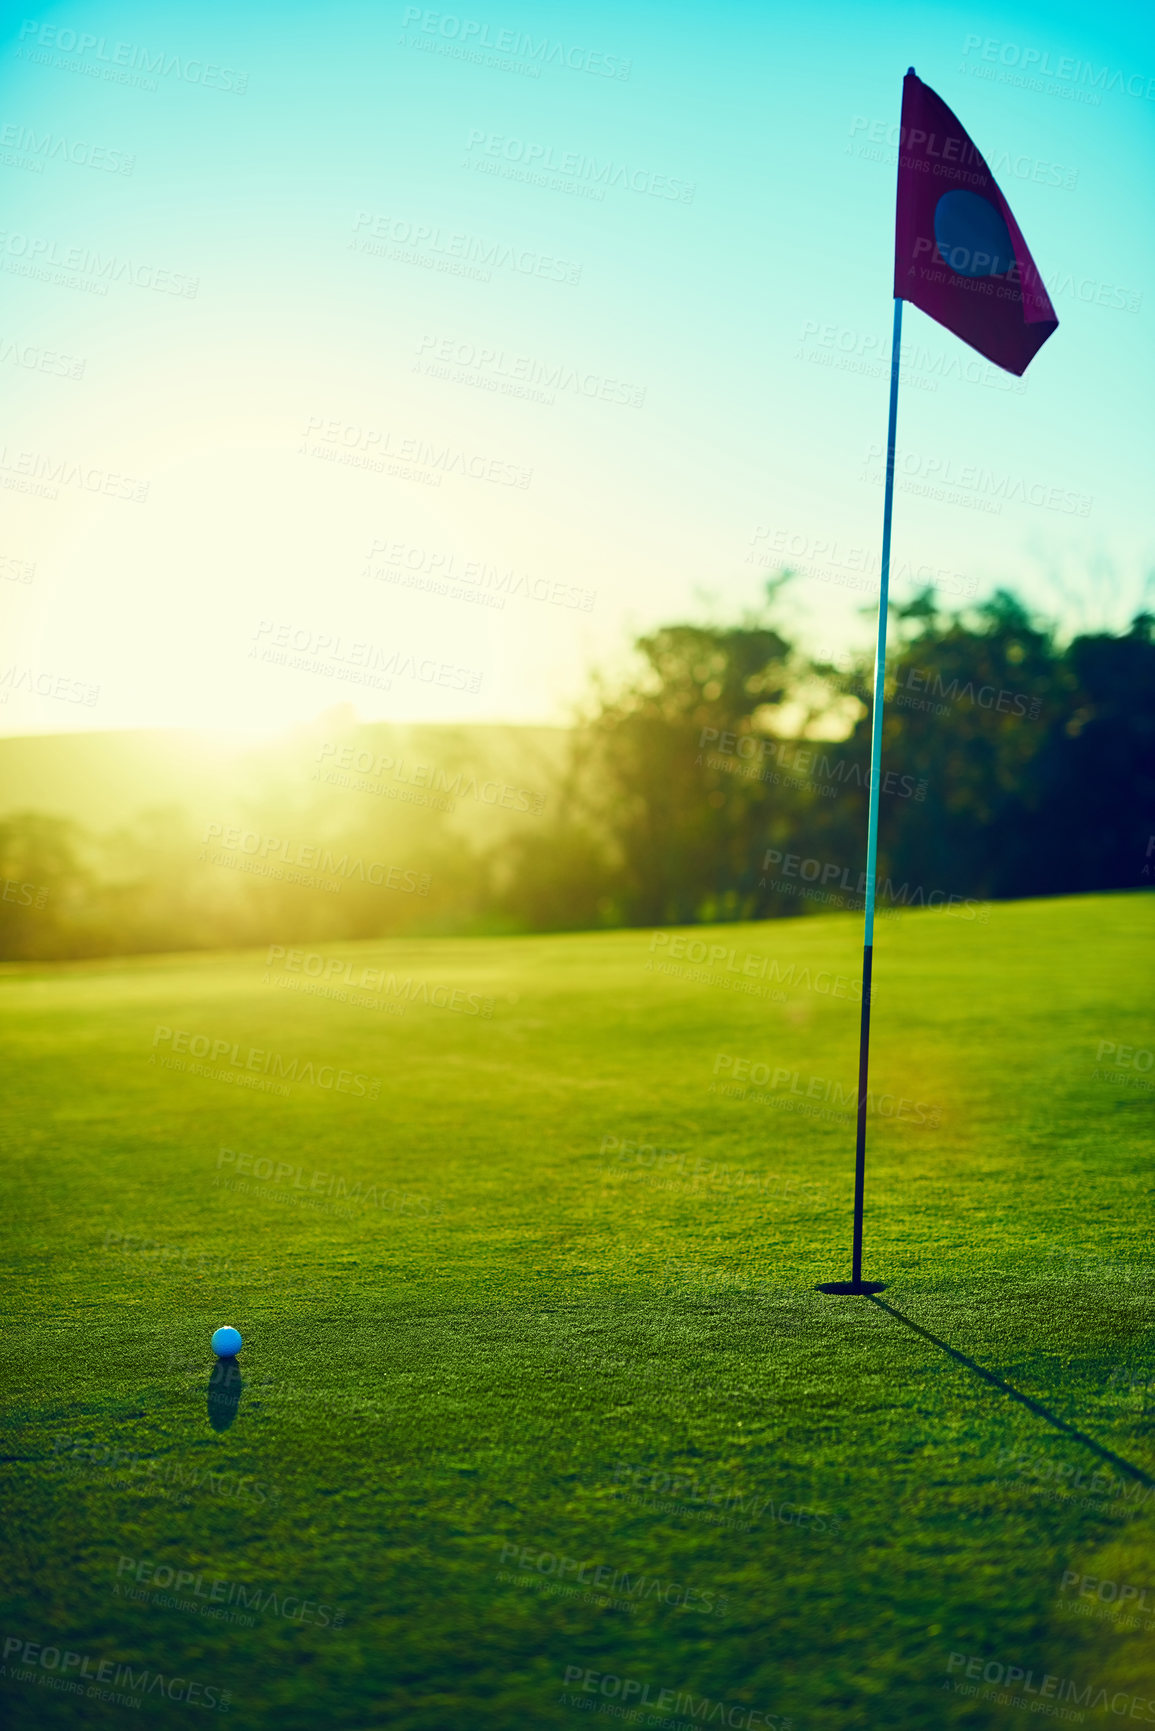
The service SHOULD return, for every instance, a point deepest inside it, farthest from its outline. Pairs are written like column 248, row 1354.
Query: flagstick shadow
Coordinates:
column 1060, row 1424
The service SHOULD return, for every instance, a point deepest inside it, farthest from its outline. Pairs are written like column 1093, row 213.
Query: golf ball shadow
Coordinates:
column 224, row 1395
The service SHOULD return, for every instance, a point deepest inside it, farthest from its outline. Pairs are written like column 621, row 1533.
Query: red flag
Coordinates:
column 958, row 251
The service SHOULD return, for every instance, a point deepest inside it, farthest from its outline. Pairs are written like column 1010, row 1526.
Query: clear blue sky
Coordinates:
column 335, row 180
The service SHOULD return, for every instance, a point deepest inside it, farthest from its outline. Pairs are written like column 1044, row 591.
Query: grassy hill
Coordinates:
column 101, row 780
column 539, row 1411
column 182, row 840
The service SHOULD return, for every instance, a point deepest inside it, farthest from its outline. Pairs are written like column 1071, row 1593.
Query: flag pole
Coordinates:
column 856, row 1284
column 872, row 823
column 980, row 226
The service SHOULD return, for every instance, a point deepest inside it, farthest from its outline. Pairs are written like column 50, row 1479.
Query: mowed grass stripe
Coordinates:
column 473, row 1325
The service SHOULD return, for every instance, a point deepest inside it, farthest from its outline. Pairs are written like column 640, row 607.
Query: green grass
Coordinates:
column 520, row 1340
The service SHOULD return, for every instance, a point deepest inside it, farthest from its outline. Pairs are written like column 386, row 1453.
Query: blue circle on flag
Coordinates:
column 972, row 237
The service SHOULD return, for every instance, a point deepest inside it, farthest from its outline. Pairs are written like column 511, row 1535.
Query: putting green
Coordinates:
column 539, row 1412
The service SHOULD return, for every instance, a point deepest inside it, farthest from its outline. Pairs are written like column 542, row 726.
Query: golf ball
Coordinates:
column 227, row 1342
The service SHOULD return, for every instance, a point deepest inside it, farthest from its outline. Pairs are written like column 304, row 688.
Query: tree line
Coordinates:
column 725, row 778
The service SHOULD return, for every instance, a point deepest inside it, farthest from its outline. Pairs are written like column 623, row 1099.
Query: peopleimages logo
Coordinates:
column 1018, row 1683
column 53, row 472
column 383, row 452
column 755, row 748
column 40, row 252
column 454, row 251
column 305, row 856
column 267, row 1063
column 961, row 151
column 219, row 1590
column 519, row 375
column 40, row 360
column 333, row 970
column 756, row 965
column 54, row 685
column 114, row 60
column 987, row 697
column 1105, row 1592
column 574, row 167
column 42, row 147
column 830, row 872
column 70, row 1670
column 1027, row 66
column 420, row 783
column 682, row 1487
column 611, row 1580
column 24, row 895
column 423, row 568
column 473, row 34
column 322, row 652
column 635, row 1693
column 330, row 1186
column 821, row 1088
column 994, row 489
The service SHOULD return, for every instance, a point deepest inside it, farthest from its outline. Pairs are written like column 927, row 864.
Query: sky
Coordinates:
column 419, row 360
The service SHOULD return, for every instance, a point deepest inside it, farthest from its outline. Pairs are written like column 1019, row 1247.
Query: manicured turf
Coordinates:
column 568, row 1322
